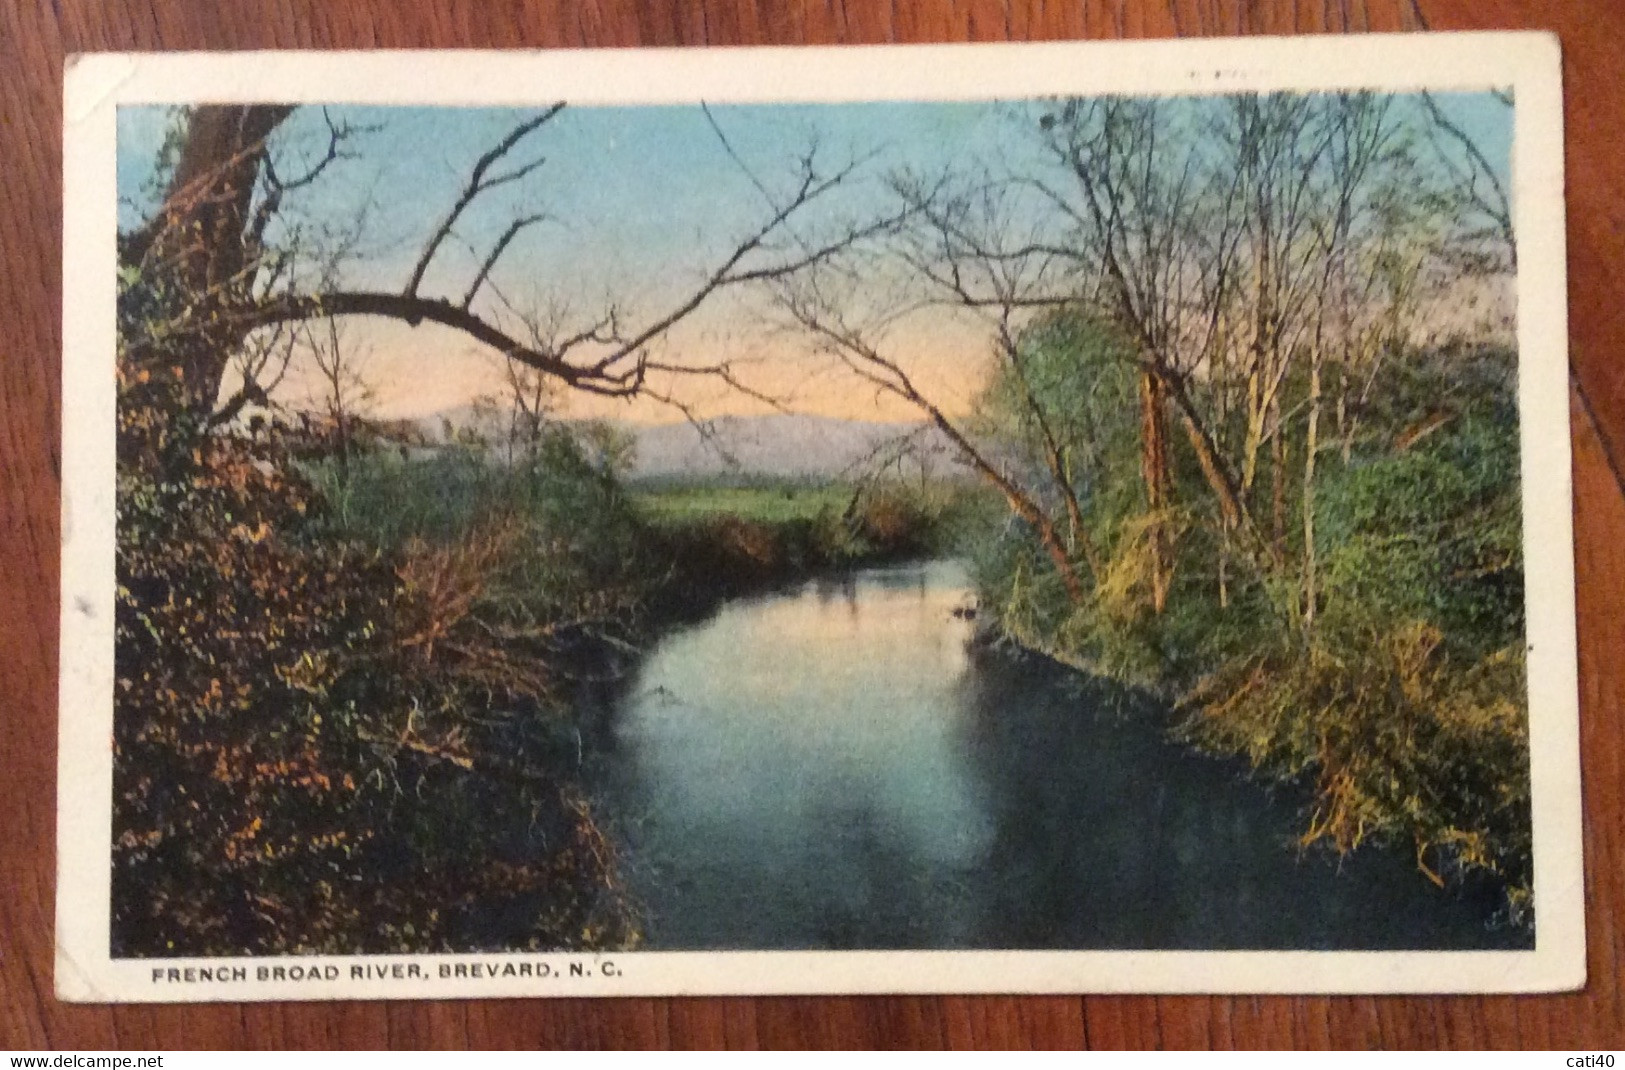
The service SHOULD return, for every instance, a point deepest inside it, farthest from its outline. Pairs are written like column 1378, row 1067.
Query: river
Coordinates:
column 833, row 766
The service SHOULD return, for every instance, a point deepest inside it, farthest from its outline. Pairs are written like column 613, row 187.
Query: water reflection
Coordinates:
column 830, row 768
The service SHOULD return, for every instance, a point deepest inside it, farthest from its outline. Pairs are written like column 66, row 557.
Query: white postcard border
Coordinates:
column 1528, row 63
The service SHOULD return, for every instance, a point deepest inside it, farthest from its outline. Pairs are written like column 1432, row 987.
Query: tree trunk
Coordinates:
column 1310, row 446
column 200, row 248
column 1154, row 473
column 1020, row 504
column 1277, row 478
column 1218, row 474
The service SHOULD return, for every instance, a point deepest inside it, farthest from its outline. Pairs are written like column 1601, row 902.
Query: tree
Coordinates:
column 1480, row 197
column 344, row 392
column 203, row 247
column 821, row 304
column 206, row 250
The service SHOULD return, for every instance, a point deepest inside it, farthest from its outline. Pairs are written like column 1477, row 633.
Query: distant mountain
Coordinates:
column 781, row 445
column 444, row 426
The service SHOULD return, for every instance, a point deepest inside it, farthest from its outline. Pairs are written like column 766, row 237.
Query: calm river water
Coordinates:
column 831, row 767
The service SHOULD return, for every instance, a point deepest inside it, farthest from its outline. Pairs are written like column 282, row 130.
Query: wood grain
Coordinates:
column 35, row 36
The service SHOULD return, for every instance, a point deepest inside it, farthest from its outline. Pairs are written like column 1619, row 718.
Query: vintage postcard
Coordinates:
column 1029, row 518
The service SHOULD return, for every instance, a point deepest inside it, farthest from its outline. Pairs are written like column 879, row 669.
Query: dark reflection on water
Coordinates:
column 830, row 768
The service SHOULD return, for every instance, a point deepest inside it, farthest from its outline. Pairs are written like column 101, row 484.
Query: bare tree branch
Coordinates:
column 496, row 253
column 477, row 184
column 1498, row 205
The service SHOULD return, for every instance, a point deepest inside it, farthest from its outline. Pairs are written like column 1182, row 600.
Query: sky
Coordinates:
column 640, row 203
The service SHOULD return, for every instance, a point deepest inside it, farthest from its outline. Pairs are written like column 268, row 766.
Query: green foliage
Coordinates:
column 1406, row 703
column 1432, row 532
column 574, row 565
column 715, row 540
column 1401, row 742
column 1401, row 703
column 673, row 506
column 1076, row 380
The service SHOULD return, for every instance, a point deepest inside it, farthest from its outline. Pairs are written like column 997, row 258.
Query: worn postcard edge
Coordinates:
column 95, row 85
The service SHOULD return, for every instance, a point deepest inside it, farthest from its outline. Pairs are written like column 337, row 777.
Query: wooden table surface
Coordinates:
column 35, row 35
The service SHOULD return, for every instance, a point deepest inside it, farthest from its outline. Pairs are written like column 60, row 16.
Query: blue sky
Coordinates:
column 641, row 201
column 637, row 190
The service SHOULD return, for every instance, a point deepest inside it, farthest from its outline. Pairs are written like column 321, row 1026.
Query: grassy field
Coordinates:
column 678, row 505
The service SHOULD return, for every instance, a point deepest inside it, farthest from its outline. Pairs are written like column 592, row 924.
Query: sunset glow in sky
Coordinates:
column 640, row 204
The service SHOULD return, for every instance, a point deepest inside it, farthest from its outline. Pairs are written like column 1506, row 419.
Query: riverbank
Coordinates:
column 323, row 696
column 833, row 764
column 1318, row 727
column 725, row 545
column 463, row 619
column 1347, row 616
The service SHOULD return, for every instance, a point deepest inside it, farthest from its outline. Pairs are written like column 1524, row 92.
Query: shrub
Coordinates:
column 1401, row 743
column 312, row 734
column 1400, row 705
